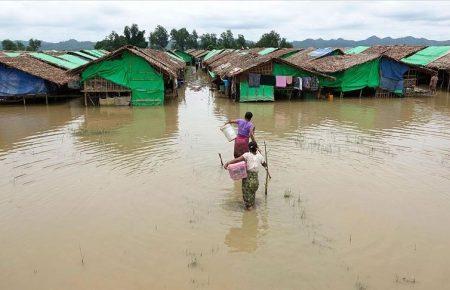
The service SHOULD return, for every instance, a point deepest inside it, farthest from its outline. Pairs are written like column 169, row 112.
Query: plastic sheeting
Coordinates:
column 321, row 52
column 356, row 50
column 73, row 59
column 14, row 82
column 392, row 75
column 212, row 53
column 267, row 50
column 261, row 93
column 356, row 77
column 85, row 55
column 186, row 57
column 54, row 60
column 280, row 69
column 427, row 55
column 133, row 72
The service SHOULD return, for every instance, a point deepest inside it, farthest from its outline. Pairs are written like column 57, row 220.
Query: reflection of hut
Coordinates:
column 232, row 71
column 24, row 77
column 130, row 75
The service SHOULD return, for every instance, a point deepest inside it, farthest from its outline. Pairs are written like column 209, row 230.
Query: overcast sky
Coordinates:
column 93, row 20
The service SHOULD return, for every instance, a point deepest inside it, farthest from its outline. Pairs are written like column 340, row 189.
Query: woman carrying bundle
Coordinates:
column 250, row 185
column 246, row 131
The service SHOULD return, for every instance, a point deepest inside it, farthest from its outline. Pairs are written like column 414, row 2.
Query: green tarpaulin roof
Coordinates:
column 88, row 56
column 212, row 53
column 267, row 50
column 12, row 54
column 356, row 50
column 93, row 52
column 427, row 55
column 173, row 55
column 73, row 59
column 54, row 60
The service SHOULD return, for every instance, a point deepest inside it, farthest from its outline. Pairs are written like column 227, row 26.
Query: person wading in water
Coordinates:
column 246, row 131
column 250, row 185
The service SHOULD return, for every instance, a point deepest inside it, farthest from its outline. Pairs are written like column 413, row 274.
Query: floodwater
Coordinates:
column 135, row 198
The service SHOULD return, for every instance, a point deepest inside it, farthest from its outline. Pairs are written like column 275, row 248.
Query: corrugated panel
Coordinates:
column 54, row 60
column 212, row 53
column 12, row 54
column 175, row 56
column 92, row 52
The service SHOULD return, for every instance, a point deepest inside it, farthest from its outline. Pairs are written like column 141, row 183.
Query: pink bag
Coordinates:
column 238, row 170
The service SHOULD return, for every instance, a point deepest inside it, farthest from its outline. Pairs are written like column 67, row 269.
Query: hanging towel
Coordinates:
column 314, row 84
column 289, row 80
column 254, row 80
column 280, row 81
column 298, row 83
column 267, row 80
column 306, row 81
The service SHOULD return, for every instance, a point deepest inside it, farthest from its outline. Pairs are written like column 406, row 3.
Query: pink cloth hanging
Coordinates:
column 280, row 81
column 289, row 80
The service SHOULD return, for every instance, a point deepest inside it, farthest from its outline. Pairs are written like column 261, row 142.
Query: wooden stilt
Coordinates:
column 318, row 92
column 23, row 99
column 46, row 99
column 360, row 93
column 341, row 95
column 85, row 99
column 221, row 161
column 448, row 82
column 267, row 168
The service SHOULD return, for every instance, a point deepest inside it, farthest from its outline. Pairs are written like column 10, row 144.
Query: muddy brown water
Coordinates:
column 134, row 198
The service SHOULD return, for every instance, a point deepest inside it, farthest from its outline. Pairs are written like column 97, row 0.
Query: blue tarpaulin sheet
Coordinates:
column 392, row 75
column 321, row 52
column 14, row 82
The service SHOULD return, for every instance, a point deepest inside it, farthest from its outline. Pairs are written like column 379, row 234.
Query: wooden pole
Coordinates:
column 267, row 168
column 318, row 92
column 46, row 99
column 23, row 99
column 360, row 93
column 85, row 99
column 448, row 81
column 341, row 95
column 221, row 161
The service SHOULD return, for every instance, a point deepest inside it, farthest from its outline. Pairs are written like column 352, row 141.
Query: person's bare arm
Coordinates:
column 252, row 134
column 231, row 122
column 235, row 160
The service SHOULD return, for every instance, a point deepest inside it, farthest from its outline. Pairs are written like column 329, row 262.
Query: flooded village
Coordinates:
column 111, row 178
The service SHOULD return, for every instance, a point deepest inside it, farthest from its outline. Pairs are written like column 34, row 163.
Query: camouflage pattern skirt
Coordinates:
column 249, row 187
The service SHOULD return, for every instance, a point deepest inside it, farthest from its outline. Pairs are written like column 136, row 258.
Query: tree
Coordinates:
column 159, row 38
column 240, row 41
column 208, row 41
column 285, row 44
column 226, row 40
column 112, row 42
column 20, row 46
column 9, row 45
column 179, row 37
column 134, row 36
column 33, row 45
column 192, row 41
column 271, row 39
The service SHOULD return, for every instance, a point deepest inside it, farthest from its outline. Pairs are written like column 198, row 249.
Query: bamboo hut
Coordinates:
column 442, row 65
column 23, row 77
column 130, row 76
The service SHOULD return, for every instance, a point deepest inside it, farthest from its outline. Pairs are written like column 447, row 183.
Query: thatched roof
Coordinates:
column 36, row 68
column 157, row 59
column 336, row 63
column 196, row 52
column 441, row 63
column 219, row 56
column 396, row 52
column 238, row 62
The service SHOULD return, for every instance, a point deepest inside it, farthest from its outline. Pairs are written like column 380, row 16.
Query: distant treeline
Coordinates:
column 32, row 45
column 182, row 39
